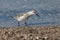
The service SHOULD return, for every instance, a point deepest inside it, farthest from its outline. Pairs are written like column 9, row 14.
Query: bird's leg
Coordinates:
column 25, row 22
column 18, row 23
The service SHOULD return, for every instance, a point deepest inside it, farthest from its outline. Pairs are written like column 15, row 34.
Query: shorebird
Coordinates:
column 24, row 16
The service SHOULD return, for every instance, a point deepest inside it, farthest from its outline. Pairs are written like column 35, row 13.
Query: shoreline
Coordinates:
column 30, row 33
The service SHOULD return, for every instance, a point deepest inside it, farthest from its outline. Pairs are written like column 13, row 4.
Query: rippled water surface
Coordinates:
column 49, row 11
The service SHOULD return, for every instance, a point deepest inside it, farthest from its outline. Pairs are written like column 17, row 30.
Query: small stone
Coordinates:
column 36, row 38
column 22, row 37
column 46, row 37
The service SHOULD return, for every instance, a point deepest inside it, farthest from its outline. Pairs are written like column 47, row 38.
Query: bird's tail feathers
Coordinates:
column 11, row 17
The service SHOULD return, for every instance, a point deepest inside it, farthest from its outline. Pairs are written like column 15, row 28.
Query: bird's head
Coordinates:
column 36, row 13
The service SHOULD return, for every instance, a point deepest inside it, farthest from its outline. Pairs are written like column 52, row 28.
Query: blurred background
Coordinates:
column 49, row 11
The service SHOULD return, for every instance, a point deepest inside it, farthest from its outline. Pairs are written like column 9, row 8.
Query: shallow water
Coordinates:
column 49, row 11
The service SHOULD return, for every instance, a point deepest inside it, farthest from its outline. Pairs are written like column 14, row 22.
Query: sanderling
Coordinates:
column 24, row 16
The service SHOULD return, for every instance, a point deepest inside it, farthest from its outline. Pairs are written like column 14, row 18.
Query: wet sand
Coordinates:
column 30, row 33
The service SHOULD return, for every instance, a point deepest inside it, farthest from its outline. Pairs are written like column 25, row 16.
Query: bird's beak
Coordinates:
column 38, row 15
